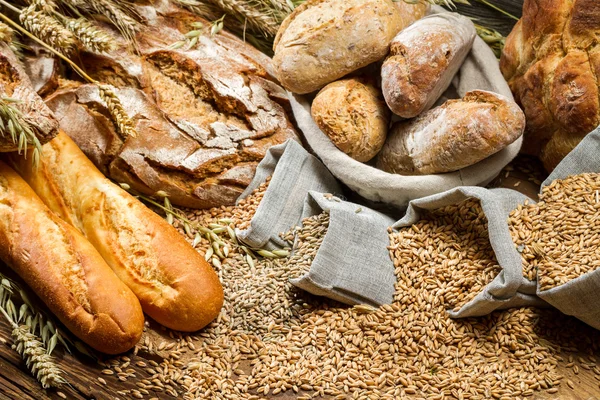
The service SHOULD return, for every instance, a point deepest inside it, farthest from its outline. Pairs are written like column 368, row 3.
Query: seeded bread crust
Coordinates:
column 323, row 40
column 353, row 114
column 65, row 270
column 453, row 136
column 552, row 63
column 172, row 281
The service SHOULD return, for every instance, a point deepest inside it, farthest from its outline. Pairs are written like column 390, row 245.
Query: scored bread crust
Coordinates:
column 453, row 136
column 65, row 270
column 551, row 61
column 216, row 105
column 423, row 60
column 173, row 282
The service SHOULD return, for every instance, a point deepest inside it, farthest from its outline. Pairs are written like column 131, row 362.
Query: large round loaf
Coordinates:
column 65, row 270
column 205, row 116
column 323, row 40
column 453, row 136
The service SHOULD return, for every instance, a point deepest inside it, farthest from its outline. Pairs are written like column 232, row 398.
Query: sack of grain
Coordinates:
column 351, row 264
column 479, row 71
column 544, row 252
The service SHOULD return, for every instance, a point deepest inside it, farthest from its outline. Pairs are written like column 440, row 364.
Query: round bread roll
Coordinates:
column 353, row 114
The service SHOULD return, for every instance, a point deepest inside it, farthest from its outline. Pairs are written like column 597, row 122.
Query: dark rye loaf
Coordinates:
column 205, row 116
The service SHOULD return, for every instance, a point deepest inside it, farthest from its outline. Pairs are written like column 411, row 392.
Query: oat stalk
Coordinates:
column 21, row 132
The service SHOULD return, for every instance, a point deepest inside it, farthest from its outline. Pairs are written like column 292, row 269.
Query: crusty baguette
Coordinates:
column 423, row 60
column 65, row 270
column 453, row 136
column 173, row 282
column 323, row 40
column 353, row 114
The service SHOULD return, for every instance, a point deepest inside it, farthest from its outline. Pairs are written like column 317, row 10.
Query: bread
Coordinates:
column 552, row 63
column 65, row 270
column 411, row 12
column 218, row 103
column 423, row 60
column 42, row 69
column 15, row 84
column 353, row 114
column 453, row 136
column 175, row 285
column 323, row 40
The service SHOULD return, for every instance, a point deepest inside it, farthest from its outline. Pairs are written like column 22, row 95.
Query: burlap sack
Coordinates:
column 479, row 71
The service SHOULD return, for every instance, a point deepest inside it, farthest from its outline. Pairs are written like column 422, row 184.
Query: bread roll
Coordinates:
column 174, row 284
column 453, row 136
column 410, row 12
column 423, row 60
column 65, row 270
column 323, row 40
column 353, row 114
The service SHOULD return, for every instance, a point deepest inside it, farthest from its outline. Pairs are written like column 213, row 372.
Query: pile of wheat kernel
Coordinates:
column 559, row 237
column 272, row 337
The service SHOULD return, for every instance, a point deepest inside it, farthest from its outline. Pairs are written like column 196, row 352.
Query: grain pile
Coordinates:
column 559, row 237
column 273, row 338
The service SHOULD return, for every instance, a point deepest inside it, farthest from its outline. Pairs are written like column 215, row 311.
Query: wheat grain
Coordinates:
column 48, row 29
column 90, row 36
column 115, row 108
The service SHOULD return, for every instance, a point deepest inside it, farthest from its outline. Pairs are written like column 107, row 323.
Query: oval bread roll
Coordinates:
column 173, row 282
column 423, row 60
column 353, row 114
column 65, row 270
column 410, row 12
column 453, row 136
column 323, row 40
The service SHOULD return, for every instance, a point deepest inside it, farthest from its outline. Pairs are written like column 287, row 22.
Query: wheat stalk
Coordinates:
column 21, row 132
column 116, row 110
column 48, row 29
column 116, row 13
column 37, row 358
column 89, row 35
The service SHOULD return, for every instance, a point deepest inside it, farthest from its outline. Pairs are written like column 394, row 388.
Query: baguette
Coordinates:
column 453, row 136
column 423, row 60
column 173, row 282
column 65, row 270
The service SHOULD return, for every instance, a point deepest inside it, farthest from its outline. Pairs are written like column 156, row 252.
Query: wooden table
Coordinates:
column 17, row 383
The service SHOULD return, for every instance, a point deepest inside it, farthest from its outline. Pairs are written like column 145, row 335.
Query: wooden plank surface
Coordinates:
column 83, row 373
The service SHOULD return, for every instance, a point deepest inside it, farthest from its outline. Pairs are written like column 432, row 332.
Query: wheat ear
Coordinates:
column 20, row 131
column 89, row 35
column 259, row 20
column 48, row 29
column 6, row 33
column 116, row 110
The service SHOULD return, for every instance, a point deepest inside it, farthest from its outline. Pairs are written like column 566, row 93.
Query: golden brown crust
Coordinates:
column 453, row 136
column 323, row 40
column 65, row 270
column 15, row 83
column 174, row 284
column 550, row 62
column 423, row 60
column 353, row 114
